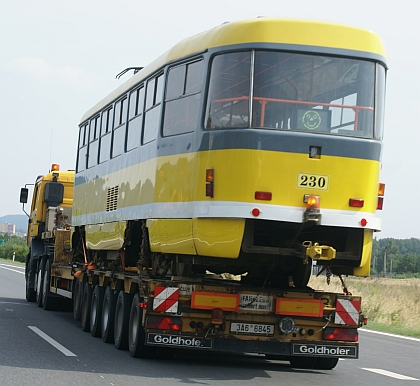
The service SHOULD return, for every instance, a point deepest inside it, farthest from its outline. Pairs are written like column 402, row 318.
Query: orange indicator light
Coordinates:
column 209, row 175
column 55, row 167
column 381, row 190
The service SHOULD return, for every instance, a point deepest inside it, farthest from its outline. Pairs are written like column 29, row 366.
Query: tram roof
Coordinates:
column 259, row 30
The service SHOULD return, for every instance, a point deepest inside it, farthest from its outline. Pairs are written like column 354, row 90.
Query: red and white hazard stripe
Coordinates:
column 347, row 312
column 166, row 299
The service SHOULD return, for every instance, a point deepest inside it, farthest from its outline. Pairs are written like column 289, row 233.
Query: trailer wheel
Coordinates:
column 96, row 311
column 326, row 363
column 77, row 299
column 39, row 282
column 86, row 305
column 122, row 315
column 108, row 315
column 49, row 302
column 136, row 335
column 303, row 362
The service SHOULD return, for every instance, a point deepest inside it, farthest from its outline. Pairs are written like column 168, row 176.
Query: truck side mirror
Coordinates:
column 24, row 195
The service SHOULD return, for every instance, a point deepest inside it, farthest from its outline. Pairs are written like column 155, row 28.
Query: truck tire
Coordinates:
column 86, row 305
column 29, row 282
column 122, row 315
column 96, row 310
column 49, row 302
column 136, row 334
column 108, row 315
column 77, row 299
column 40, row 282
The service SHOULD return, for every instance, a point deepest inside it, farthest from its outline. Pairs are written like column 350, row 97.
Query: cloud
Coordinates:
column 42, row 70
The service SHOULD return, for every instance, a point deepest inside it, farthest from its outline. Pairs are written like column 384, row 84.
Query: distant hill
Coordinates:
column 20, row 220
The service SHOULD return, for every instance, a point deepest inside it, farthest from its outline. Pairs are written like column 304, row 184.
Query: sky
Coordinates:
column 59, row 58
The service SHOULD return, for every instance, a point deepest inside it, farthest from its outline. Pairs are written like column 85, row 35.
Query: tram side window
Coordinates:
column 92, row 158
column 182, row 102
column 135, row 115
column 229, row 88
column 82, row 148
column 120, row 116
column 152, row 110
column 105, row 136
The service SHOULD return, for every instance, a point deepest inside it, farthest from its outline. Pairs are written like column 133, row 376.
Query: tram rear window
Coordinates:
column 290, row 91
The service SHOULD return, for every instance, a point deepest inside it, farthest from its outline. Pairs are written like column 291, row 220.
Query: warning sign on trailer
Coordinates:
column 347, row 311
column 166, row 299
column 250, row 302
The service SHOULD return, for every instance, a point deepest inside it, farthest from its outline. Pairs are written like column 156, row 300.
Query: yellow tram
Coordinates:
column 251, row 148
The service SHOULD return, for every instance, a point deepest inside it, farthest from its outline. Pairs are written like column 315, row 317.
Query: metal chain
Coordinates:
column 345, row 289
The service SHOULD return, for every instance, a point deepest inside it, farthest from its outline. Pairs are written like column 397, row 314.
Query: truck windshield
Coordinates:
column 290, row 91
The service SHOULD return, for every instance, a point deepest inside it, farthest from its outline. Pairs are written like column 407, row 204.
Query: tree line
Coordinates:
column 13, row 245
column 396, row 257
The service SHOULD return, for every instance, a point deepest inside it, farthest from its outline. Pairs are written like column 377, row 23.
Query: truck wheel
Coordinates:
column 48, row 301
column 77, row 299
column 136, row 334
column 86, row 305
column 30, row 291
column 108, row 315
column 39, row 283
column 96, row 311
column 122, row 315
column 326, row 363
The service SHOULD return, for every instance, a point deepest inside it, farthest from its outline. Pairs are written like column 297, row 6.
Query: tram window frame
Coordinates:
column 135, row 118
column 153, row 107
column 118, row 131
column 105, row 135
column 82, row 148
column 93, row 145
column 184, row 85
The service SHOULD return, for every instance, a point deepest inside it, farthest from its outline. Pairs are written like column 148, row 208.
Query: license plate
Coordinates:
column 252, row 329
column 313, row 181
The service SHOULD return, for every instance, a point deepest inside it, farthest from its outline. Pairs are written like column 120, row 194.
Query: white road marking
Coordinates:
column 52, row 342
column 391, row 335
column 4, row 266
column 391, row 374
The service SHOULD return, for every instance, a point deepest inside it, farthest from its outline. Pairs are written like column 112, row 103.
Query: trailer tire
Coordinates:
column 326, row 363
column 136, row 334
column 77, row 299
column 122, row 315
column 303, row 362
column 40, row 282
column 86, row 305
column 96, row 311
column 108, row 315
column 49, row 302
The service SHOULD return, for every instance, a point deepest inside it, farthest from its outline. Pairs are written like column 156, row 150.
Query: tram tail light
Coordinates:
column 356, row 202
column 266, row 196
column 210, row 183
column 381, row 193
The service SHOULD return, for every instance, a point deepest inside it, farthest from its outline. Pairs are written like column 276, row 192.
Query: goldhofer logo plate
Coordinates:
column 178, row 341
column 324, row 350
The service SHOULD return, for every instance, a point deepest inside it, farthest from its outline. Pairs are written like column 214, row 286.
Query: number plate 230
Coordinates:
column 313, row 181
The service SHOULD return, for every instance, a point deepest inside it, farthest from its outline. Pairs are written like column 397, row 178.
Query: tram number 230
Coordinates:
column 313, row 181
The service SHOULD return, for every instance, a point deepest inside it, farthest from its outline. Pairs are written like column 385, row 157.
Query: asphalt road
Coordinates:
column 49, row 348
